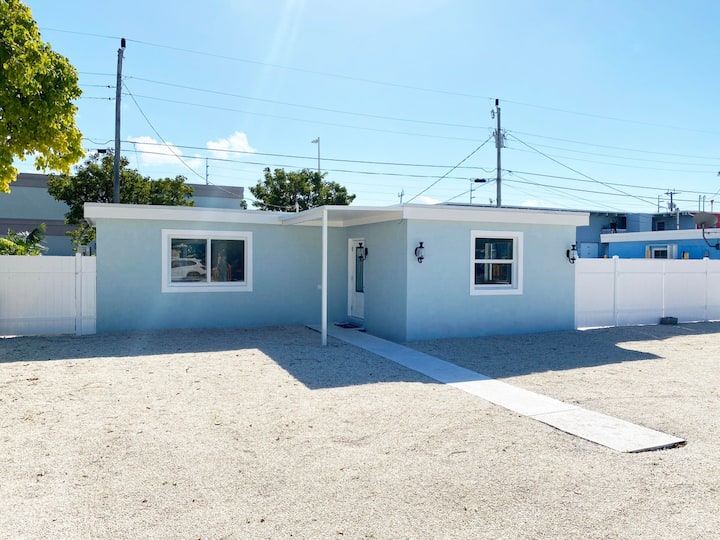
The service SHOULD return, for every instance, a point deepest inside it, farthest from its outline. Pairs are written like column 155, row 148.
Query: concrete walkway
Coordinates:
column 599, row 428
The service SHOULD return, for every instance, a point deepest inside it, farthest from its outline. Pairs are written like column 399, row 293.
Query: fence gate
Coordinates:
column 47, row 295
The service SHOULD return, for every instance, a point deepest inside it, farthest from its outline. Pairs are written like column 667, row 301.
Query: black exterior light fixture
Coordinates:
column 572, row 254
column 420, row 252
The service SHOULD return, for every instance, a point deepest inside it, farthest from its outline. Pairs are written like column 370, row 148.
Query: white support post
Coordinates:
column 323, row 316
column 78, row 294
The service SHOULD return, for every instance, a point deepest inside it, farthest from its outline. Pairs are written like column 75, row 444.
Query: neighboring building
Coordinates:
column 481, row 270
column 29, row 204
column 664, row 235
column 673, row 244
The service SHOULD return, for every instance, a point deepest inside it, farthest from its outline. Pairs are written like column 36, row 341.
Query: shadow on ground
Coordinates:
column 514, row 355
column 298, row 351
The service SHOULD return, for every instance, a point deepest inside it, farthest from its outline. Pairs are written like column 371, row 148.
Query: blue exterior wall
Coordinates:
column 385, row 278
column 696, row 249
column 439, row 300
column 286, row 279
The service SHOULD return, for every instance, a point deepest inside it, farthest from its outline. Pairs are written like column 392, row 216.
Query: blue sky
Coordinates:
column 606, row 105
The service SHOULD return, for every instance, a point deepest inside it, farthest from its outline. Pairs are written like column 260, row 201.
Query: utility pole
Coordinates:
column 499, row 143
column 673, row 207
column 207, row 166
column 118, row 93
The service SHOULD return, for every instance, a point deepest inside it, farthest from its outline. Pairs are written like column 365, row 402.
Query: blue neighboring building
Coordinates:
column 645, row 236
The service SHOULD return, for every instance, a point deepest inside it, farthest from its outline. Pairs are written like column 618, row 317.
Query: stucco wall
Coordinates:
column 438, row 290
column 385, row 278
column 286, row 279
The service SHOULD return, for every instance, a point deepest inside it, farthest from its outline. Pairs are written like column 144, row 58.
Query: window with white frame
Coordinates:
column 206, row 261
column 496, row 262
column 664, row 251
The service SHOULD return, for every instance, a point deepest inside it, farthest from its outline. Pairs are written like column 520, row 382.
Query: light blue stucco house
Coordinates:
column 404, row 273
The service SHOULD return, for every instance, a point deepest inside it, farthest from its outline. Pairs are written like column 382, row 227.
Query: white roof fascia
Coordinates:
column 338, row 216
column 496, row 215
column 656, row 236
column 94, row 211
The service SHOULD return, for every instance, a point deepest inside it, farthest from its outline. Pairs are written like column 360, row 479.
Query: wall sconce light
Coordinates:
column 572, row 254
column 420, row 253
column 363, row 252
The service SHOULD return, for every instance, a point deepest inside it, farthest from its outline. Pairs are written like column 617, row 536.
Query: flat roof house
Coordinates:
column 404, row 273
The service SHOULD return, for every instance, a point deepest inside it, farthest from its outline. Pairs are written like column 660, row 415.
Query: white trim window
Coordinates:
column 496, row 262
column 206, row 261
column 664, row 251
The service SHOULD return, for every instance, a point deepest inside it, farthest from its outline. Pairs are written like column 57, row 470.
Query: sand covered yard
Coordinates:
column 263, row 433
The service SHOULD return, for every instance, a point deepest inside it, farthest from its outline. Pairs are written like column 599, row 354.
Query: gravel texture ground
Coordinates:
column 262, row 433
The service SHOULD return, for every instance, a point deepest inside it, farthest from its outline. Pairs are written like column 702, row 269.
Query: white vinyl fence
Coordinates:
column 624, row 292
column 47, row 295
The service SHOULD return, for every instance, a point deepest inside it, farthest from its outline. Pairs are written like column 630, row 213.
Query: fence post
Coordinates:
column 78, row 294
column 616, row 315
column 663, row 285
column 706, row 262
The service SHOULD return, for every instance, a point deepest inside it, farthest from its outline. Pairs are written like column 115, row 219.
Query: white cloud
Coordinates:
column 237, row 142
column 532, row 203
column 153, row 153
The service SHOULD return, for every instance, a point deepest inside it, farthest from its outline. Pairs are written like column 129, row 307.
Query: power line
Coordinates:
column 613, row 118
column 451, row 170
column 575, row 170
column 290, row 156
column 621, row 165
column 158, row 134
column 584, row 143
column 284, row 165
column 585, row 180
column 614, row 156
column 563, row 189
column 276, row 66
column 309, row 107
column 306, row 121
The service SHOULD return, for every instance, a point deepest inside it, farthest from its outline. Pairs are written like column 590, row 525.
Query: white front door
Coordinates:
column 356, row 272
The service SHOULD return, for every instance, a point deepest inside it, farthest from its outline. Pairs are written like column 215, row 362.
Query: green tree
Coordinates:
column 24, row 243
column 298, row 190
column 37, row 89
column 93, row 182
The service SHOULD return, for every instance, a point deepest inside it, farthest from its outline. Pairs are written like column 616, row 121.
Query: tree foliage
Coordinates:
column 37, row 86
column 24, row 243
column 93, row 182
column 298, row 190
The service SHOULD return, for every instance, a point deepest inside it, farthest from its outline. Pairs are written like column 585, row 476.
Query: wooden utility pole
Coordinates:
column 118, row 93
